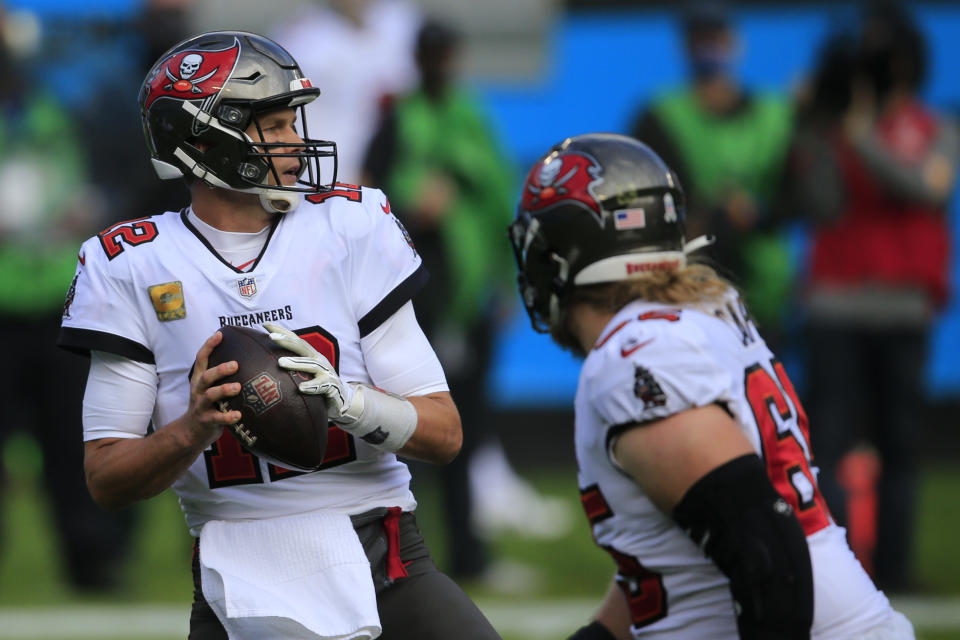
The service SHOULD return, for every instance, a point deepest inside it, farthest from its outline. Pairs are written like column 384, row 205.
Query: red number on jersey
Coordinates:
column 132, row 232
column 341, row 190
column 229, row 464
column 341, row 447
column 785, row 438
column 594, row 504
column 643, row 589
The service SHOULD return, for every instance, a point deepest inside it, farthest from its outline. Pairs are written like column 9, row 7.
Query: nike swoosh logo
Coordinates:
column 82, row 258
column 626, row 352
column 386, row 207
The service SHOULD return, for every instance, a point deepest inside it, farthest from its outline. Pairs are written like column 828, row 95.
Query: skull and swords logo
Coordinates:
column 190, row 75
column 565, row 178
column 189, row 66
column 550, row 185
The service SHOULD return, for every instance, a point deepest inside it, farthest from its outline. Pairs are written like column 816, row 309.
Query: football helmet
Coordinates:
column 200, row 97
column 598, row 207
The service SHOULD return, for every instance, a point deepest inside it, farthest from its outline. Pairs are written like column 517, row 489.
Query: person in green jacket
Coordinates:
column 452, row 186
column 728, row 146
column 45, row 210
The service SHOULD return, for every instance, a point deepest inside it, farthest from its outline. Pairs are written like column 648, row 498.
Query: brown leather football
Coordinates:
column 279, row 424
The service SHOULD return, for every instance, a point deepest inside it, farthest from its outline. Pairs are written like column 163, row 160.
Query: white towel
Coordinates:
column 298, row 577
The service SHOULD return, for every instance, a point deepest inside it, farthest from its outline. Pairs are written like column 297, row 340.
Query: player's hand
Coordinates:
column 325, row 382
column 203, row 413
column 376, row 417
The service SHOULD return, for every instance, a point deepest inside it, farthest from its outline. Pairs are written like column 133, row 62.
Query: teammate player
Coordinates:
column 694, row 464
column 270, row 239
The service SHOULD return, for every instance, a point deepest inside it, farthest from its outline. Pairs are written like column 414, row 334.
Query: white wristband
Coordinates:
column 379, row 418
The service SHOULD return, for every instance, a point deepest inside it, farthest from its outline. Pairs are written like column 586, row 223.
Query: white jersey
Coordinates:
column 653, row 361
column 153, row 290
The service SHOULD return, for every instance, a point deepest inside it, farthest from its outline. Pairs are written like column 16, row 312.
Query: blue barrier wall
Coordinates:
column 605, row 65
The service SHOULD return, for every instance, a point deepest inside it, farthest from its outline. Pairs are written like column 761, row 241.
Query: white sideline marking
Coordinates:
column 97, row 621
column 931, row 614
column 529, row 619
column 536, row 619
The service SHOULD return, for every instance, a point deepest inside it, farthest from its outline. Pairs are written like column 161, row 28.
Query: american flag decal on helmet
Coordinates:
column 629, row 219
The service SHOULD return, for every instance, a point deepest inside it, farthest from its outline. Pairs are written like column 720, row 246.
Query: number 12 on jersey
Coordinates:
column 785, row 439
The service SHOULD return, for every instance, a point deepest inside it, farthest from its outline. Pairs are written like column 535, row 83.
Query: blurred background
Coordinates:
column 815, row 139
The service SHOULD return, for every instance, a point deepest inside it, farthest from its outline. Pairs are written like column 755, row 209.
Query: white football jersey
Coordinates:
column 652, row 361
column 153, row 290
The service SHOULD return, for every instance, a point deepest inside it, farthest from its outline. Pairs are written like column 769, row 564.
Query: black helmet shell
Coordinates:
column 595, row 208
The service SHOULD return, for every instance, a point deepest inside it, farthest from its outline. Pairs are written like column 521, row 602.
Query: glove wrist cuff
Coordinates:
column 381, row 419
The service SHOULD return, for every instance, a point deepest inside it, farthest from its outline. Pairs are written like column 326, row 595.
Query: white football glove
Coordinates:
column 376, row 417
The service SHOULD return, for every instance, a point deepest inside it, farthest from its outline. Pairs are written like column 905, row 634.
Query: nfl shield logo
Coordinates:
column 247, row 286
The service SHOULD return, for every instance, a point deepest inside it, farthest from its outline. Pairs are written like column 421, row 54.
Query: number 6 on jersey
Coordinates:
column 785, row 440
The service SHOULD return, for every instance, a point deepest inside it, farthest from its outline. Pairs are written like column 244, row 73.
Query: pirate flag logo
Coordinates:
column 192, row 75
column 568, row 178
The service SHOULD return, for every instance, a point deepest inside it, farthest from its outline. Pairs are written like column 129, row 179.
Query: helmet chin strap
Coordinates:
column 279, row 201
column 272, row 200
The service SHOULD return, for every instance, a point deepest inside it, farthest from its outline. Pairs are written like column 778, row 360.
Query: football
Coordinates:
column 279, row 424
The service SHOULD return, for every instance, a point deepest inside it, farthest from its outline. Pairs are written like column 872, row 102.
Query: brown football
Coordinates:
column 279, row 424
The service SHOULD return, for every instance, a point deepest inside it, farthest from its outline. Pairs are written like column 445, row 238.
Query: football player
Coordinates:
column 693, row 452
column 271, row 239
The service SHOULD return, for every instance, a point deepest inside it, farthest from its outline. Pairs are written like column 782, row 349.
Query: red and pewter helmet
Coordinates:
column 200, row 97
column 599, row 207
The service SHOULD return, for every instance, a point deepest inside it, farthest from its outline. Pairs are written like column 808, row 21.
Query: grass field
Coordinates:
column 546, row 589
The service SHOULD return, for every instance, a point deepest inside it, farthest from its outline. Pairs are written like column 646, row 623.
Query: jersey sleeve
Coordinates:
column 119, row 398
column 100, row 312
column 400, row 359
column 385, row 269
column 652, row 372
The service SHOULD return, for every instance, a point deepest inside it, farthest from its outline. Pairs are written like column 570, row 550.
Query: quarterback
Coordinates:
column 270, row 238
column 693, row 453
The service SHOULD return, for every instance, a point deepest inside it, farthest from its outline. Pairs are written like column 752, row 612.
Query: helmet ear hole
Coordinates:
column 234, row 116
column 253, row 171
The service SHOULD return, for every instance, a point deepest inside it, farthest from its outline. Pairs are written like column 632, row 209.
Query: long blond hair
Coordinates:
column 695, row 283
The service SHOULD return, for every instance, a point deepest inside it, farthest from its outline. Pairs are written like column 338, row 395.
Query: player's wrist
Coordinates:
column 381, row 419
column 193, row 434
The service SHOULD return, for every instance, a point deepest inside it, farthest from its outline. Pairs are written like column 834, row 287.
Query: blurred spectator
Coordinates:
column 872, row 168
column 46, row 209
column 110, row 118
column 727, row 145
column 438, row 159
column 359, row 52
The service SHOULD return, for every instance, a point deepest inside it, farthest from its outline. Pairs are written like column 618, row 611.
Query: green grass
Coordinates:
column 936, row 558
column 30, row 571
column 569, row 567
